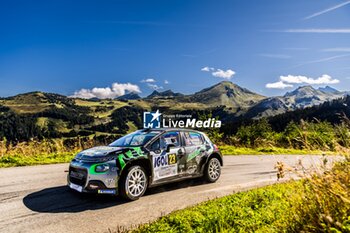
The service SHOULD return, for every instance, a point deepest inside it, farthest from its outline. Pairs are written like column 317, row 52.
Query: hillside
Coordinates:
column 34, row 102
column 334, row 111
column 39, row 114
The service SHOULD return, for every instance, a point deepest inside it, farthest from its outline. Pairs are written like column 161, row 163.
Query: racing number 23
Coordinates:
column 172, row 159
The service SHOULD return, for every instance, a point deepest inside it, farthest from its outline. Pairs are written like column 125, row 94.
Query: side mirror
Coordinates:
column 169, row 146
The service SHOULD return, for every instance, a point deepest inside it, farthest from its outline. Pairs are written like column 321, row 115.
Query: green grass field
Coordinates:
column 260, row 210
column 22, row 160
column 232, row 150
column 316, row 204
column 28, row 155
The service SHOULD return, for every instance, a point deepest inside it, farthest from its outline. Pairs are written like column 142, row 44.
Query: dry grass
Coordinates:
column 43, row 152
column 318, row 203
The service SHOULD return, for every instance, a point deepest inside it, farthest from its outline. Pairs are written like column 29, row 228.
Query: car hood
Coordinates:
column 100, row 153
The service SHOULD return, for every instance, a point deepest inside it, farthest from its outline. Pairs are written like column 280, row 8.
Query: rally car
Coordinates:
column 145, row 158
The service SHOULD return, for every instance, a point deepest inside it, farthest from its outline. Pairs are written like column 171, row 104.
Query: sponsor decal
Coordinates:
column 164, row 160
column 106, row 191
column 164, row 166
column 76, row 187
column 160, row 161
column 172, row 159
column 191, row 169
column 153, row 120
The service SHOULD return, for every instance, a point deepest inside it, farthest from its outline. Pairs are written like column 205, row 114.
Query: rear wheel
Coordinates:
column 212, row 170
column 134, row 183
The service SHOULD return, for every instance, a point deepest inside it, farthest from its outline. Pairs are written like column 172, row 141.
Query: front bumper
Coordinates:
column 83, row 178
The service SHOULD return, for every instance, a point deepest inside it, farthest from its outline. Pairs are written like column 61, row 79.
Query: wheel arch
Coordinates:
column 143, row 162
column 216, row 155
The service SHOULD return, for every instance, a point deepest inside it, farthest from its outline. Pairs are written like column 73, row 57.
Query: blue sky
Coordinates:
column 183, row 45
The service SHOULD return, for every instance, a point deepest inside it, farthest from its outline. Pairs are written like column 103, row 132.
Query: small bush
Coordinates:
column 257, row 134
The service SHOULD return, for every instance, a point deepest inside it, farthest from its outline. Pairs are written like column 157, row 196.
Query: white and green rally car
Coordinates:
column 143, row 159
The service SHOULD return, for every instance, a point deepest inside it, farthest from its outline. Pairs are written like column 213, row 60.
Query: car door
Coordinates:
column 195, row 151
column 166, row 153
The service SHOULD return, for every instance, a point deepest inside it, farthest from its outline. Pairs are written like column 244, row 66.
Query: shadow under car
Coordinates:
column 62, row 199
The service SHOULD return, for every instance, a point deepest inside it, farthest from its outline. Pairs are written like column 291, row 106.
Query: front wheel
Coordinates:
column 134, row 184
column 212, row 170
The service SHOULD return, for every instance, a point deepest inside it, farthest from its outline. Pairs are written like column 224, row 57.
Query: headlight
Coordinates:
column 102, row 168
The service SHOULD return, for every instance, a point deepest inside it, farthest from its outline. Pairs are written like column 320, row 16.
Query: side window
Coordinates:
column 193, row 139
column 170, row 138
column 155, row 145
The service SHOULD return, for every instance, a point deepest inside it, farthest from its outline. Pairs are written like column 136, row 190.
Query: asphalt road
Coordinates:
column 36, row 198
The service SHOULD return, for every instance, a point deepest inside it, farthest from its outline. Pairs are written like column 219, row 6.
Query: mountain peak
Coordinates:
column 228, row 94
column 302, row 90
column 306, row 88
column 328, row 89
column 225, row 83
column 129, row 96
column 166, row 93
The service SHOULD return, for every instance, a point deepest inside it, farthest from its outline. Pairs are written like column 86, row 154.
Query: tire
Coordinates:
column 212, row 170
column 134, row 183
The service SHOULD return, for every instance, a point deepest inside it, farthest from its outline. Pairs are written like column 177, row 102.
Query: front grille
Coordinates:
column 77, row 176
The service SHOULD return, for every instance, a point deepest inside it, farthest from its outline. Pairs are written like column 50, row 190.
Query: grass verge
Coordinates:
column 316, row 204
column 22, row 160
column 232, row 150
column 28, row 156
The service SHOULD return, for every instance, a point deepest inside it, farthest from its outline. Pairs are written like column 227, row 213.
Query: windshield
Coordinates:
column 137, row 138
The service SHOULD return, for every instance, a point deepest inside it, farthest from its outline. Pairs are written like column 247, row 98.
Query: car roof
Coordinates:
column 172, row 129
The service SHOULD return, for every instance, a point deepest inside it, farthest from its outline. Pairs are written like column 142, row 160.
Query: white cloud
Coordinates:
column 117, row 89
column 319, row 30
column 154, row 86
column 226, row 74
column 344, row 49
column 289, row 80
column 324, row 79
column 278, row 85
column 207, row 69
column 327, row 10
column 166, row 82
column 121, row 88
column 148, row 80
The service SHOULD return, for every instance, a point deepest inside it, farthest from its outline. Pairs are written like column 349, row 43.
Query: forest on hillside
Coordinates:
column 16, row 127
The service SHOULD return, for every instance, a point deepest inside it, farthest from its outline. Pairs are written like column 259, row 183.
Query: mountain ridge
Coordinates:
column 166, row 93
column 40, row 114
column 301, row 97
column 232, row 97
